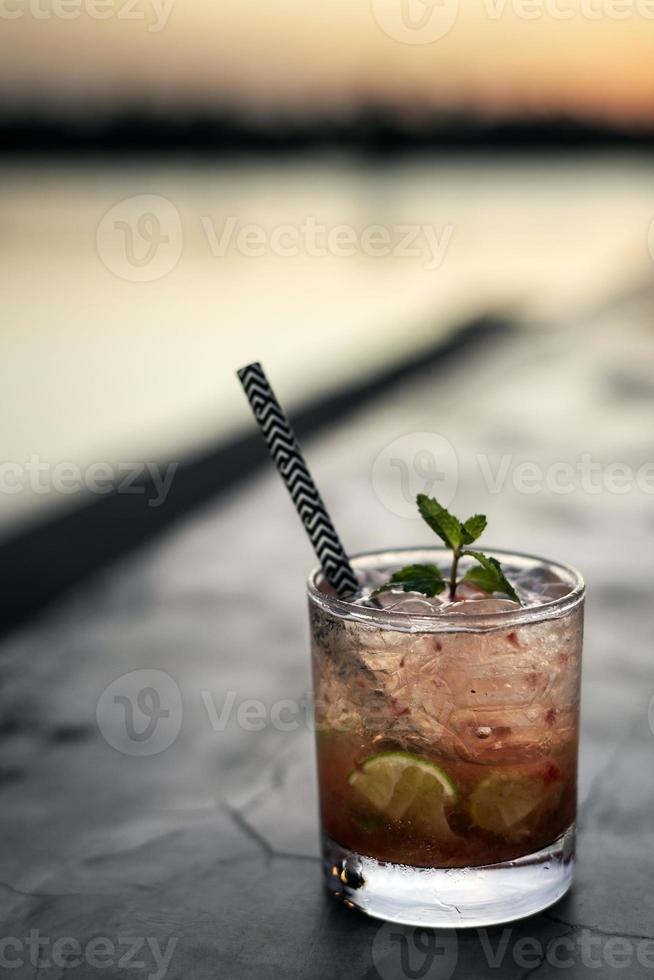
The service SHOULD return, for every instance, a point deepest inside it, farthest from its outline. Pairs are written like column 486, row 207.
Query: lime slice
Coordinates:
column 510, row 805
column 406, row 787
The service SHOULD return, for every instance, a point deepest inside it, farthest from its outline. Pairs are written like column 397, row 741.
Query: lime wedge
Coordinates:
column 509, row 805
column 406, row 787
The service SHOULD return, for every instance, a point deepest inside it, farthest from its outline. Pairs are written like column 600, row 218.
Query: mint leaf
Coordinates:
column 415, row 578
column 455, row 534
column 474, row 527
column 489, row 575
column 447, row 527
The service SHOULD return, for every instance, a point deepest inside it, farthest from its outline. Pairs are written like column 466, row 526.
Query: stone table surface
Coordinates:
column 193, row 852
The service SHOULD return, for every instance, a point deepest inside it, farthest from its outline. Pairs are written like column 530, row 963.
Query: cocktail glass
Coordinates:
column 447, row 741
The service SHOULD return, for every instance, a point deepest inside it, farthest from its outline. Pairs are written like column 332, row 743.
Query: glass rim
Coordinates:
column 449, row 621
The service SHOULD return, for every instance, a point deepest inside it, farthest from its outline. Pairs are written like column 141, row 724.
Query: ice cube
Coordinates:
column 540, row 584
column 397, row 600
column 385, row 600
column 557, row 590
column 466, row 590
column 417, row 606
column 543, row 574
column 483, row 607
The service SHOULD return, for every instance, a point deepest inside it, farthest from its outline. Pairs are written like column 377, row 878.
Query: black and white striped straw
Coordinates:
column 287, row 457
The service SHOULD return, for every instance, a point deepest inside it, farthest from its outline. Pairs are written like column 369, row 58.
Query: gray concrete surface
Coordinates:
column 210, row 844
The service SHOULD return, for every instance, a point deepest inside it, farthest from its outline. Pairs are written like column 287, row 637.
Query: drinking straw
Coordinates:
column 287, row 457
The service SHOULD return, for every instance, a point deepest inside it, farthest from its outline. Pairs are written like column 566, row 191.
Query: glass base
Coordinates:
column 451, row 897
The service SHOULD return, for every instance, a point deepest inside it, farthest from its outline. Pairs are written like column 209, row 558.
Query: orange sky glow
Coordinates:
column 594, row 57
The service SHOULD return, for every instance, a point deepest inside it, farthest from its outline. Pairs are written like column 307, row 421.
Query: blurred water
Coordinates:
column 132, row 293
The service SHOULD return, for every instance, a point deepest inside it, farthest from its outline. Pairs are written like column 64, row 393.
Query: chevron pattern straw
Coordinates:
column 288, row 459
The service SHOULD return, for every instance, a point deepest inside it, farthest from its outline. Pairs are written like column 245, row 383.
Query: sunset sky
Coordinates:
column 594, row 57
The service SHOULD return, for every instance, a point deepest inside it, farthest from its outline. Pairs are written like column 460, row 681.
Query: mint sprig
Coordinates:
column 487, row 575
